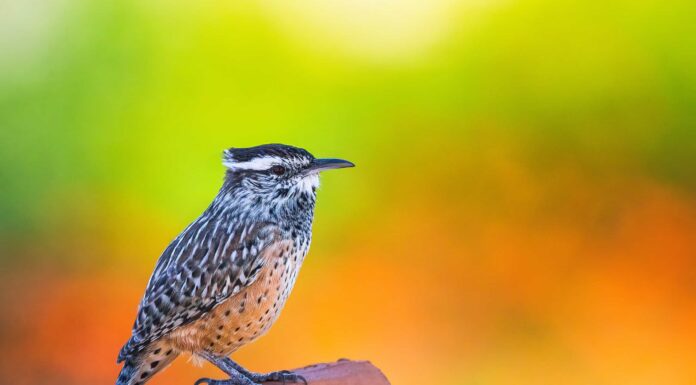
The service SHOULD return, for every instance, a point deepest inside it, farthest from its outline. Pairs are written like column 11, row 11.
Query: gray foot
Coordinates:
column 283, row 376
column 280, row 376
column 240, row 376
column 232, row 381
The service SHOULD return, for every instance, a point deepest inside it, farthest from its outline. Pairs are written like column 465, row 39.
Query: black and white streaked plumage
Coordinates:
column 259, row 223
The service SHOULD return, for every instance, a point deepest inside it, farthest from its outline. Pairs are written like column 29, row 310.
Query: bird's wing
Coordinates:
column 206, row 264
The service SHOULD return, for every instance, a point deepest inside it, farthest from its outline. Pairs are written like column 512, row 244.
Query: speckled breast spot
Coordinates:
column 247, row 315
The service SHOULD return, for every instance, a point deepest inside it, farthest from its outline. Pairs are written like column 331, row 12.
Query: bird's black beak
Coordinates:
column 319, row 165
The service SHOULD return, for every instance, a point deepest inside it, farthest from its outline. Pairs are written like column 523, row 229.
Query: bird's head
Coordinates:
column 275, row 178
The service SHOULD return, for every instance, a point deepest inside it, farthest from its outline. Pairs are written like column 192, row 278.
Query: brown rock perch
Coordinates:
column 342, row 372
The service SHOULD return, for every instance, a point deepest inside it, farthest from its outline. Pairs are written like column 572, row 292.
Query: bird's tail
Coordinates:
column 139, row 369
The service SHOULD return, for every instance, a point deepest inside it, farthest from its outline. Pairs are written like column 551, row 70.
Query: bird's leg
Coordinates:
column 236, row 377
column 228, row 366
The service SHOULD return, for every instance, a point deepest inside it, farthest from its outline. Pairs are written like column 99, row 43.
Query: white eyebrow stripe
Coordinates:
column 262, row 163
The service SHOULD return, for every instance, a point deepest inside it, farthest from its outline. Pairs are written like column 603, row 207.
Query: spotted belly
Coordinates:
column 247, row 315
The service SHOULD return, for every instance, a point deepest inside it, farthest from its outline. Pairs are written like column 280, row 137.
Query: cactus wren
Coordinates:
column 223, row 281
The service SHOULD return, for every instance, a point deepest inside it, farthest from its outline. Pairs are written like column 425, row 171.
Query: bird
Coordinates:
column 223, row 281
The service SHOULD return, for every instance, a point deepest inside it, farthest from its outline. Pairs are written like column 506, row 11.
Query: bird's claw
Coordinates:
column 283, row 376
column 203, row 381
column 210, row 381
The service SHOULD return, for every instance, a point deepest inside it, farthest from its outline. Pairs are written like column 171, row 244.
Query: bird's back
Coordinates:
column 214, row 275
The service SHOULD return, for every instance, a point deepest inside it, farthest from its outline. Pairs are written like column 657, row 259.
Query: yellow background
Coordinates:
column 523, row 209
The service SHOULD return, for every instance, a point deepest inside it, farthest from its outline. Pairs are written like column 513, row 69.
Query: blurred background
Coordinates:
column 523, row 210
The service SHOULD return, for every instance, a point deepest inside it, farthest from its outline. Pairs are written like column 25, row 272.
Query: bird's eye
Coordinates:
column 278, row 170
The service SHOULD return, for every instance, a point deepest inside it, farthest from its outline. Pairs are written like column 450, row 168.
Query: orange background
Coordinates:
column 523, row 209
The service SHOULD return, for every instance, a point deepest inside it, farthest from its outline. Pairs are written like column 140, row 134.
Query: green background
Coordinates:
column 522, row 211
